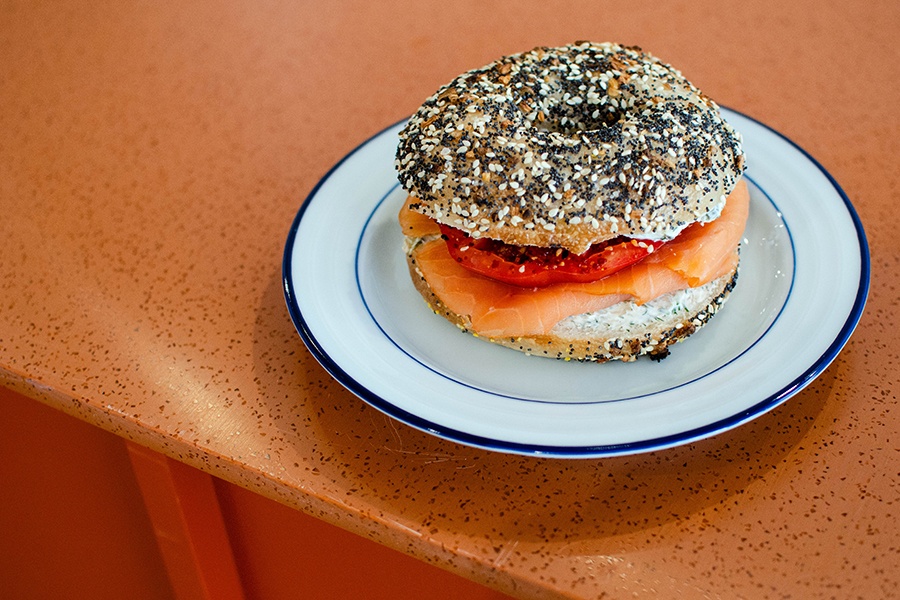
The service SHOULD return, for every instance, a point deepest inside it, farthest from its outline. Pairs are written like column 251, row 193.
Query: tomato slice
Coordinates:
column 535, row 266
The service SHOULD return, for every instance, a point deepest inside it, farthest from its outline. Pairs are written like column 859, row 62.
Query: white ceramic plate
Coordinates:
column 803, row 284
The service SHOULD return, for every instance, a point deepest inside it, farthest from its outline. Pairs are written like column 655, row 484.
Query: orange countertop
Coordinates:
column 153, row 157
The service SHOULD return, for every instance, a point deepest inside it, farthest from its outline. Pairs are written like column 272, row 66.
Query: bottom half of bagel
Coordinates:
column 623, row 331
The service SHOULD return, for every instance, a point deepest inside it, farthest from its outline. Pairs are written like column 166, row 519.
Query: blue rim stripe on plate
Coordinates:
column 586, row 402
column 658, row 443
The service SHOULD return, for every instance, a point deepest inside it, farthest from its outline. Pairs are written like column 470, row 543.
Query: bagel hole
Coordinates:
column 572, row 120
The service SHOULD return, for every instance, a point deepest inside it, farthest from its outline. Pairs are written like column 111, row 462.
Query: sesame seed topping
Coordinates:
column 581, row 135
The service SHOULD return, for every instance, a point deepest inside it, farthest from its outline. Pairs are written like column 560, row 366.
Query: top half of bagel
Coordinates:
column 568, row 147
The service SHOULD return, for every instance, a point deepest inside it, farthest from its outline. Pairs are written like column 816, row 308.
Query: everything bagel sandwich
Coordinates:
column 581, row 202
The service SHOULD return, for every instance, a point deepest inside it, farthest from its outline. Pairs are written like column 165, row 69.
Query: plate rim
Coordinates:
column 807, row 375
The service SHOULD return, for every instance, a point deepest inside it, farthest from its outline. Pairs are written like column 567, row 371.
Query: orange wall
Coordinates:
column 72, row 523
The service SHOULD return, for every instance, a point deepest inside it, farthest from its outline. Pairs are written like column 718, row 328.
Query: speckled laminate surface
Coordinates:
column 153, row 156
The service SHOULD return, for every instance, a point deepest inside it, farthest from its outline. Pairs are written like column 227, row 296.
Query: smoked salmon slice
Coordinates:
column 699, row 255
column 415, row 224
